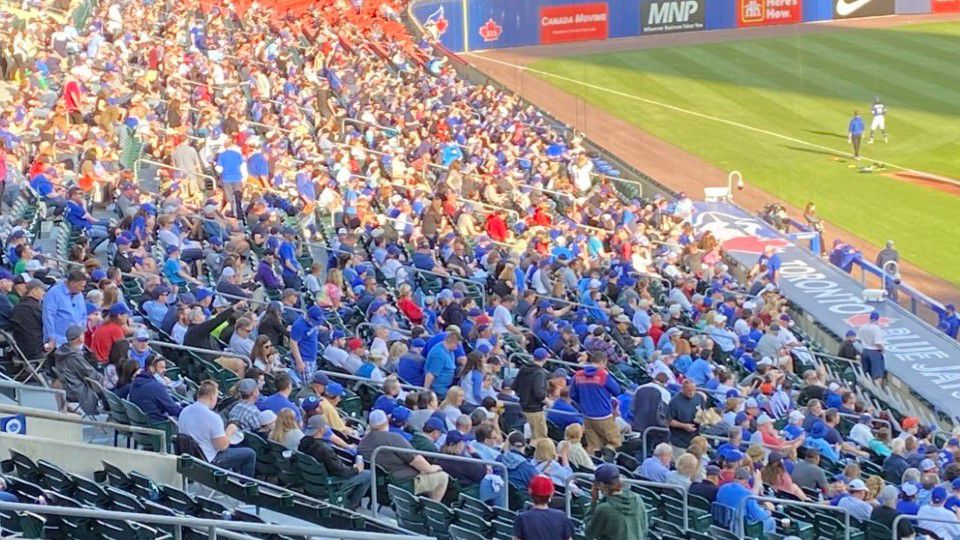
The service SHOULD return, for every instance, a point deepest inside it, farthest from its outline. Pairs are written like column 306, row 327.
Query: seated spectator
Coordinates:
column 776, row 476
column 807, row 473
column 707, row 488
column 520, row 469
column 427, row 479
column 621, row 514
column 548, row 462
column 656, row 467
column 572, row 446
column 332, row 395
column 280, row 400
column 245, row 412
column 935, row 510
column 450, row 407
column 315, row 442
column 203, row 425
column 885, row 512
column 266, row 420
column 468, row 474
column 541, row 521
column 73, row 369
column 733, row 494
column 286, row 431
column 150, row 394
column 687, row 467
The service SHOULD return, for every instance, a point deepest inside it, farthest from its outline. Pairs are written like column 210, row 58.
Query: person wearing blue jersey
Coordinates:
column 855, row 133
column 879, row 112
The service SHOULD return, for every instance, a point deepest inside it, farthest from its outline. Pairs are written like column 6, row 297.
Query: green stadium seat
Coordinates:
column 32, row 525
column 408, row 509
column 138, row 418
column 472, row 521
column 439, row 517
column 118, row 415
column 877, row 531
column 457, row 532
column 266, row 460
column 317, row 482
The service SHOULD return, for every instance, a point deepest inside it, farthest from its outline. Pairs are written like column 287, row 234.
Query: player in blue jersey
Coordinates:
column 879, row 111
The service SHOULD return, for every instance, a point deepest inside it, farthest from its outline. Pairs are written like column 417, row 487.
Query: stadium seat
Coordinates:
column 408, row 509
column 439, row 517
column 317, row 482
column 457, row 532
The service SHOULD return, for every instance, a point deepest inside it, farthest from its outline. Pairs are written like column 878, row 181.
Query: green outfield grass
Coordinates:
column 806, row 87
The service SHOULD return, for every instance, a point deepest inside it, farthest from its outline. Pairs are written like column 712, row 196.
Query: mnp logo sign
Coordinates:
column 664, row 16
column 767, row 12
column 849, row 9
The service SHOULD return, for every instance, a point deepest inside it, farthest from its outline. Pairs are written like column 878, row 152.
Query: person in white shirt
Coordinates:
column 854, row 503
column 862, row 433
column 580, row 173
column 502, row 316
column 205, row 427
column 658, row 364
column 935, row 510
column 872, row 342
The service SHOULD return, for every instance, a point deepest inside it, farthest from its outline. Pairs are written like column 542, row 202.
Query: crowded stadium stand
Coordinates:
column 277, row 274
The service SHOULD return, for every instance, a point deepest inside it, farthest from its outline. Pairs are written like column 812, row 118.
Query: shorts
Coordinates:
column 538, row 424
column 430, row 482
column 600, row 433
column 873, row 363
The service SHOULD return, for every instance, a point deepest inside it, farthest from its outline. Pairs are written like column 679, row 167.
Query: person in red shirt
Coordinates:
column 114, row 329
column 497, row 226
column 408, row 307
column 540, row 217
column 73, row 99
column 771, row 439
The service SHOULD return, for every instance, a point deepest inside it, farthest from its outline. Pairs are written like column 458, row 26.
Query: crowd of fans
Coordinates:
column 331, row 198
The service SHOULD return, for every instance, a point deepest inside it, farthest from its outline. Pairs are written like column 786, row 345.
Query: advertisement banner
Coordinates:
column 767, row 12
column 848, row 9
column 945, row 6
column 576, row 22
column 667, row 16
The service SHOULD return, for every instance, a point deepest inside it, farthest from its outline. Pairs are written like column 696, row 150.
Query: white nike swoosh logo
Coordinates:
column 845, row 7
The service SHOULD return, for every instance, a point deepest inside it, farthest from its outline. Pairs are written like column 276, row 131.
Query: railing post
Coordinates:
column 212, row 533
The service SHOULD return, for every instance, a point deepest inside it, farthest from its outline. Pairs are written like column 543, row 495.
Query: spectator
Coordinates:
column 114, row 329
column 27, row 322
column 440, row 365
column 895, row 465
column 531, row 387
column 682, row 414
column 73, row 370
column 64, row 306
column 733, row 494
column 707, row 488
column 594, row 388
column 286, row 431
column 572, row 447
column 315, row 443
column 620, row 515
column 542, row 522
column 872, row 344
column 687, row 466
column 245, row 413
column 427, row 479
column 936, row 511
column 807, row 473
column 885, row 512
column 151, row 395
column 281, row 398
column 203, row 425
column 656, row 467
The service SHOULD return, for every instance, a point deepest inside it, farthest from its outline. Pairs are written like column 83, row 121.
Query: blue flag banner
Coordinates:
column 916, row 353
column 14, row 424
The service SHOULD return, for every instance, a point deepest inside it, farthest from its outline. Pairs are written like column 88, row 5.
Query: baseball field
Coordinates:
column 777, row 109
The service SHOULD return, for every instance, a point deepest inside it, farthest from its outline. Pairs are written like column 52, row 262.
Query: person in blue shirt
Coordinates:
column 304, row 340
column 441, row 365
column 281, row 399
column 157, row 308
column 732, row 495
column 290, row 266
column 410, row 365
column 232, row 169
column 80, row 219
column 63, row 307
column 855, row 133
column 949, row 321
column 769, row 260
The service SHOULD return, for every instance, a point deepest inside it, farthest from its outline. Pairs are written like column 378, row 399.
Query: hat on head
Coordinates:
column 434, row 424
column 315, row 315
column 172, row 249
column 856, row 485
column 119, row 309
column 607, row 473
column 246, row 387
column 818, row 430
column 6, row 274
column 418, row 343
column 310, row 403
column 955, row 484
column 228, row 272
column 319, row 377
column 712, row 470
column 337, row 334
column 540, row 485
column 97, row 274
column 742, row 473
column 265, row 417
column 377, row 418
column 910, row 422
column 774, row 456
column 540, row 353
column 875, row 316
column 909, row 489
column 851, row 333
column 316, row 423
column 400, row 415
column 764, row 419
column 202, row 294
column 142, row 335
column 454, row 437
column 795, row 416
column 927, row 465
column 750, row 403
column 75, row 332
column 354, row 344
column 938, row 495
column 334, row 389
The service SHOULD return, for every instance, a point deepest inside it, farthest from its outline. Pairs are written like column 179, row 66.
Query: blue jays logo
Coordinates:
column 439, row 20
column 736, row 231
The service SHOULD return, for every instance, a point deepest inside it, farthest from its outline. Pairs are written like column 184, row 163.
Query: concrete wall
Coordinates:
column 85, row 459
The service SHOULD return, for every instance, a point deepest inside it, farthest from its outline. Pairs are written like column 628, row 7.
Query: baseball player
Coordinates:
column 879, row 111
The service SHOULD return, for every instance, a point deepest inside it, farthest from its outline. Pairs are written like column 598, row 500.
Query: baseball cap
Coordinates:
column 851, row 333
column 142, row 335
column 750, row 403
column 955, row 484
column 377, row 418
column 909, row 489
column 454, row 437
column 540, row 353
column 97, row 274
column 858, row 485
column 316, row 423
column 938, row 495
column 400, row 415
column 910, row 422
column 202, row 294
column 315, row 315
column 5, row 274
column 246, row 387
column 354, row 344
column 712, row 470
column 267, row 416
column 540, row 485
column 119, row 309
column 742, row 473
column 337, row 334
column 319, row 377
column 434, row 424
column 418, row 343
column 764, row 419
column 74, row 332
column 875, row 316
column 607, row 473
column 927, row 465
column 334, row 389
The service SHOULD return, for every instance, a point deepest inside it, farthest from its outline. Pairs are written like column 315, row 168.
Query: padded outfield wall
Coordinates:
column 470, row 25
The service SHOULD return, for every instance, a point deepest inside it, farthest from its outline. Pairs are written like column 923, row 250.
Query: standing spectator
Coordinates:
column 63, row 307
column 27, row 323
column 304, row 340
column 888, row 254
column 199, row 421
column 682, row 413
column 594, row 388
column 620, row 515
column 151, row 395
column 232, row 169
column 531, row 388
column 441, row 365
column 542, row 522
column 855, row 133
column 427, row 479
column 872, row 344
column 949, row 321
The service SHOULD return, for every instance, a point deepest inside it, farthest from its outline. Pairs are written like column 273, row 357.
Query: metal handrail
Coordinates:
column 645, row 435
column 414, row 451
column 136, row 167
column 631, row 482
column 367, row 380
column 197, row 350
column 74, row 419
column 400, row 331
column 210, row 524
column 254, row 301
column 17, row 387
column 741, row 517
column 483, row 286
column 345, row 121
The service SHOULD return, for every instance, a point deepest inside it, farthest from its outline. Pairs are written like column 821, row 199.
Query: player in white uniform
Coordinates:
column 879, row 111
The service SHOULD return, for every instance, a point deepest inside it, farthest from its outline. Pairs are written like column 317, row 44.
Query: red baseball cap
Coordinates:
column 541, row 486
column 354, row 344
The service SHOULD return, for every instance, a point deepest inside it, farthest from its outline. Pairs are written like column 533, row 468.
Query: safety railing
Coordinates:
column 254, row 301
column 568, row 495
column 400, row 331
column 21, row 392
column 213, row 527
column 741, row 517
column 448, row 457
column 354, row 121
column 74, row 419
column 198, row 350
column 480, row 284
column 646, row 435
column 368, row 380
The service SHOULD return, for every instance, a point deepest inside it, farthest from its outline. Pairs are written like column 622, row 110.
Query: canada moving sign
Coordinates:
column 578, row 22
column 767, row 12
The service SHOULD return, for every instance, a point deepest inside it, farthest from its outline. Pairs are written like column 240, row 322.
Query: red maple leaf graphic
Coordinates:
column 861, row 319
column 442, row 25
column 754, row 244
column 490, row 31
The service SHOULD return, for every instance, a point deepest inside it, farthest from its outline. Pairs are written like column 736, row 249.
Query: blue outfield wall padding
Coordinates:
column 817, row 10
column 721, row 14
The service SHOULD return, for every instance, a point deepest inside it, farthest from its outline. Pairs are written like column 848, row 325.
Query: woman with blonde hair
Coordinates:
column 556, row 466
column 286, row 431
column 687, row 466
column 450, row 406
column 332, row 290
column 698, row 447
column 572, row 446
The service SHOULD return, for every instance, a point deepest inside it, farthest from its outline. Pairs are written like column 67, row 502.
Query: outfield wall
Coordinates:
column 469, row 25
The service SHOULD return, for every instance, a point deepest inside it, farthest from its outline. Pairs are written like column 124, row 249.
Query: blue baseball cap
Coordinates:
column 6, row 274
column 97, row 274
column 938, row 495
column 315, row 315
column 337, row 334
column 400, row 415
column 540, row 353
column 875, row 316
column 385, row 403
column 119, row 309
column 172, row 249
column 434, row 424
column 454, row 437
column 310, row 403
column 606, row 473
column 851, row 333
column 334, row 389
column 202, row 294
column 418, row 343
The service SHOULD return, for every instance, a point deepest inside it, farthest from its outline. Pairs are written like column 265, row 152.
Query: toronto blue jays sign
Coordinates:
column 916, row 353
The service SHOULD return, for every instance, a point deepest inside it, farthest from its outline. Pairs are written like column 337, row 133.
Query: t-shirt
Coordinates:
column 204, row 425
column 171, row 270
column 683, row 409
column 501, row 320
column 542, row 524
column 441, row 363
column 398, row 465
column 305, row 335
column 277, row 403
